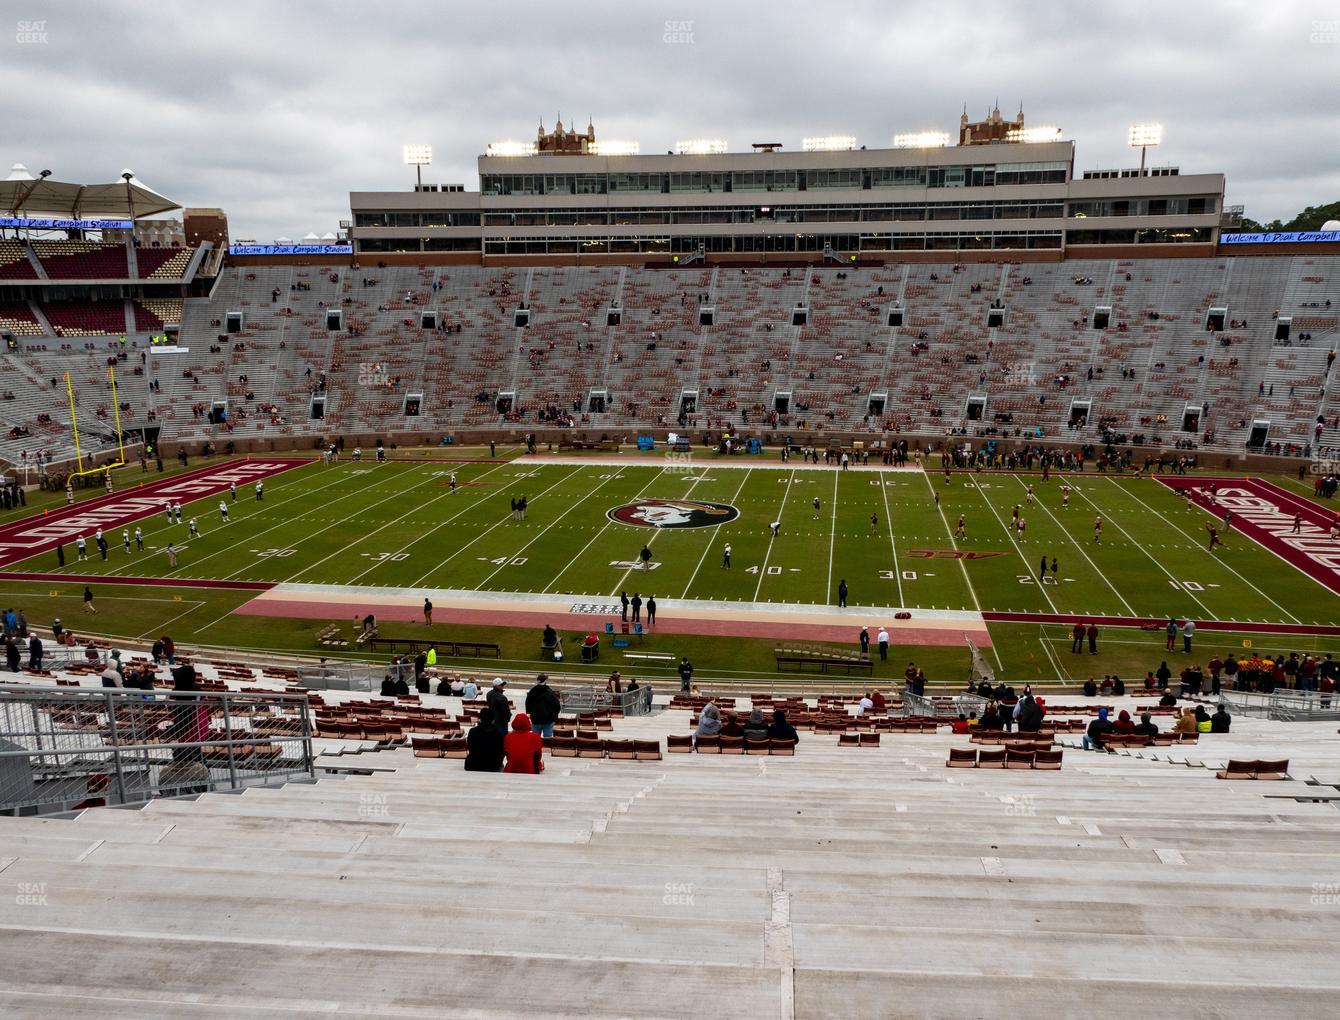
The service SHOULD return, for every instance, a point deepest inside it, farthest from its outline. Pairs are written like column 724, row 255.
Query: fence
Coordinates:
column 1283, row 706
column 62, row 749
column 943, row 706
column 590, row 699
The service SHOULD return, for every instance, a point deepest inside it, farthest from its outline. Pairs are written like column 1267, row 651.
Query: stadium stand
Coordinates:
column 82, row 260
column 801, row 349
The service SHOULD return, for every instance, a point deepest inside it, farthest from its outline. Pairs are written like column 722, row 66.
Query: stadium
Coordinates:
column 778, row 511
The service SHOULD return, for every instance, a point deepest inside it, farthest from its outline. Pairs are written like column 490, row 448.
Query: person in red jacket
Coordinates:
column 880, row 702
column 524, row 749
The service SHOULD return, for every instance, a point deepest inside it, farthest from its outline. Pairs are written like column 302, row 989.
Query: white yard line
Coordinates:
column 487, row 531
column 961, row 565
column 620, row 584
column 159, row 628
column 413, row 510
column 763, row 570
column 150, row 532
column 1206, row 551
column 893, row 544
column 708, row 548
column 1080, row 549
column 609, row 477
column 1109, row 519
column 832, row 539
column 592, row 541
column 1028, row 568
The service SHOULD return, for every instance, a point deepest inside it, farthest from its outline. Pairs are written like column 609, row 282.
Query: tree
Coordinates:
column 1310, row 218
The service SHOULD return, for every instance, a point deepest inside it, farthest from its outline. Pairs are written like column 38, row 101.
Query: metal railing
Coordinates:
column 1284, row 706
column 948, row 706
column 590, row 699
column 66, row 748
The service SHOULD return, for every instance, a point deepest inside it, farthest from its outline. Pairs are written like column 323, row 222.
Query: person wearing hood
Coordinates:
column 1221, row 720
column 757, row 727
column 524, row 748
column 1203, row 723
column 1146, row 727
column 484, row 745
column 709, row 723
column 1100, row 727
column 1124, row 722
column 990, row 718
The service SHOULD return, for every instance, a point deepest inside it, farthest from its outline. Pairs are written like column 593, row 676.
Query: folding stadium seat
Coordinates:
column 732, row 745
column 427, row 749
column 1272, row 769
column 1018, row 759
column 961, row 758
column 590, row 748
column 587, row 734
column 709, row 745
column 761, row 745
column 647, row 750
column 991, row 759
column 621, row 749
column 849, row 740
column 1047, row 761
column 1238, row 770
column 782, row 746
column 676, row 744
column 453, row 747
column 562, row 747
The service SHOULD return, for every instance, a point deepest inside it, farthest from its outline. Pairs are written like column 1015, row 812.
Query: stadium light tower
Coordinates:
column 1142, row 136
column 418, row 156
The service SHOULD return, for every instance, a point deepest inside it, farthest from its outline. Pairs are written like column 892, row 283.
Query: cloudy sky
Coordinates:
column 276, row 110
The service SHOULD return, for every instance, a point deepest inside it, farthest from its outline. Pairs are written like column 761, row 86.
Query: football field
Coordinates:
column 401, row 525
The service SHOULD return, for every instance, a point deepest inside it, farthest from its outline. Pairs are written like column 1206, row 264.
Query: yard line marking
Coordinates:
column 544, row 531
column 1204, row 550
column 592, row 540
column 701, row 559
column 395, row 520
column 763, row 570
column 162, row 627
column 832, row 541
column 487, row 530
column 893, row 545
column 1150, row 556
column 1010, row 539
column 962, row 566
column 1080, row 549
column 149, row 532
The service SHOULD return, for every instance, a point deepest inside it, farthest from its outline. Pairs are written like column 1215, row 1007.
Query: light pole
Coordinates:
column 1142, row 137
column 418, row 156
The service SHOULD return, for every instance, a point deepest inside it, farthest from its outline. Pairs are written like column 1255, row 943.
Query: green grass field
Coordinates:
column 400, row 525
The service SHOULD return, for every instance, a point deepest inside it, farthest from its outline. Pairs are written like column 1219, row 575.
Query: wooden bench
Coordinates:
column 455, row 649
column 808, row 664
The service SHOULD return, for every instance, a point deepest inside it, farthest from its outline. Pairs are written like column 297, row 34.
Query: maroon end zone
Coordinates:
column 1264, row 512
column 31, row 535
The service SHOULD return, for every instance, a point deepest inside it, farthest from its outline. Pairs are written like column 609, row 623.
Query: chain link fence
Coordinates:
column 66, row 749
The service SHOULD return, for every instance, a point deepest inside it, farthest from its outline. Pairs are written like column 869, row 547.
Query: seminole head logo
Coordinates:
column 673, row 513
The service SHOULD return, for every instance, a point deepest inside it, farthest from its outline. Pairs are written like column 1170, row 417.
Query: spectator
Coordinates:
column 12, row 657
column 1221, row 720
column 1188, row 632
column 781, row 729
column 685, row 673
column 35, row 652
column 961, row 724
column 1186, row 722
column 709, row 723
column 524, row 748
column 756, row 728
column 502, row 708
column 990, row 718
column 1203, row 724
column 484, row 745
column 1099, row 728
column 542, row 705
column 865, row 704
column 469, row 689
column 1146, row 726
column 731, row 725
column 1090, row 688
column 880, row 702
column 1124, row 723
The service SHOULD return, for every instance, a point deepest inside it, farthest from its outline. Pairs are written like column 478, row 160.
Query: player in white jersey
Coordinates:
column 139, row 540
column 223, row 511
column 1098, row 528
column 1065, row 495
column 125, row 540
column 1030, row 494
column 194, row 532
column 82, row 547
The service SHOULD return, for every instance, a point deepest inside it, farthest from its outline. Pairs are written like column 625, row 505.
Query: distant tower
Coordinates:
column 562, row 142
column 995, row 128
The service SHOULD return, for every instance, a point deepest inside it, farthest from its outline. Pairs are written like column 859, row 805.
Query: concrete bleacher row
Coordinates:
column 1139, row 374
column 833, row 882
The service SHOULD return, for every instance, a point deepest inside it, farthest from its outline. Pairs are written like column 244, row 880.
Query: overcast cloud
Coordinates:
column 275, row 111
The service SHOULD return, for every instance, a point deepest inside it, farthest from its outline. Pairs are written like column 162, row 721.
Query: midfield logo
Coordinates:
column 673, row 513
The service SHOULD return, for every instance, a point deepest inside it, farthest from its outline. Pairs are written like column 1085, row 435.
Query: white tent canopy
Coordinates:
column 23, row 194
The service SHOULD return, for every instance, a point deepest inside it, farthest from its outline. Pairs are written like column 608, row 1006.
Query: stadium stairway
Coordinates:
column 855, row 882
